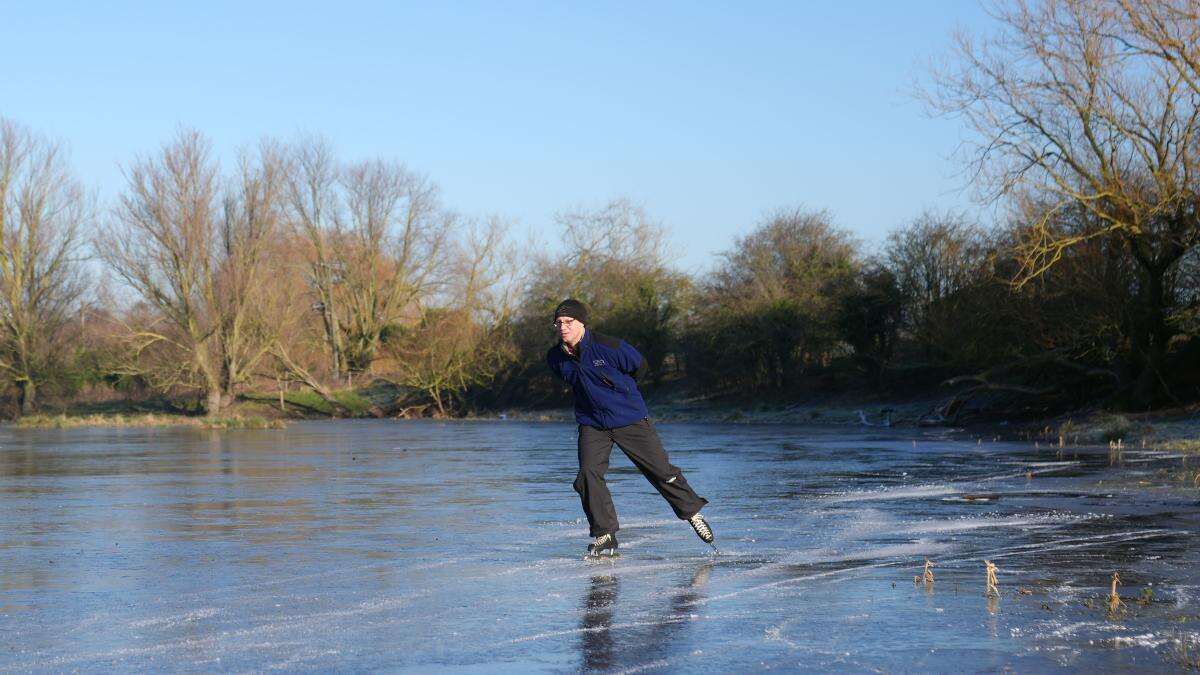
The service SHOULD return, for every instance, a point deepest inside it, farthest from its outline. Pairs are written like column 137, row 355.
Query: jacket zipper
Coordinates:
column 595, row 409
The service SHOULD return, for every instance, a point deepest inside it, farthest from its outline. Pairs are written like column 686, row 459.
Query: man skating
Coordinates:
column 603, row 373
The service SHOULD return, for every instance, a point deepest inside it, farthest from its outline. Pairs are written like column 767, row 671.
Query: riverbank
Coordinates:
column 1176, row 429
column 65, row 421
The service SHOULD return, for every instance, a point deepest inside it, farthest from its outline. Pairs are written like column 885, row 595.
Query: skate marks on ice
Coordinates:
column 1059, row 623
column 949, row 488
column 275, row 636
column 884, row 557
column 871, row 534
column 958, row 556
column 706, row 601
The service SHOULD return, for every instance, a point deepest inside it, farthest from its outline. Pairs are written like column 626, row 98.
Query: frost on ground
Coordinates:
column 423, row 545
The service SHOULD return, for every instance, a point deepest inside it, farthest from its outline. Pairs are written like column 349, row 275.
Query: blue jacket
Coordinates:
column 603, row 376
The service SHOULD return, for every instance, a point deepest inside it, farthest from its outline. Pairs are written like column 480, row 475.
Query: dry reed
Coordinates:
column 1114, row 600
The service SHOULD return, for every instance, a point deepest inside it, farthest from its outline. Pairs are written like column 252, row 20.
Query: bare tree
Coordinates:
column 393, row 230
column 770, row 309
column 459, row 342
column 248, row 256
column 42, row 207
column 1168, row 30
column 794, row 256
column 619, row 230
column 313, row 202
column 933, row 258
column 1074, row 103
column 935, row 255
column 375, row 231
column 196, row 256
column 601, row 247
column 297, row 343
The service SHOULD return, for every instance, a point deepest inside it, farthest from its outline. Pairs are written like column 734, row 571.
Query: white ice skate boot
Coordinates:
column 701, row 527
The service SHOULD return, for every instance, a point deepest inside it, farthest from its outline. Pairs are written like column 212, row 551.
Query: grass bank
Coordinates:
column 355, row 403
column 65, row 421
column 1176, row 430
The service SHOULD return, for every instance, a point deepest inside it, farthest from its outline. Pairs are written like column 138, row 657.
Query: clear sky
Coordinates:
column 708, row 114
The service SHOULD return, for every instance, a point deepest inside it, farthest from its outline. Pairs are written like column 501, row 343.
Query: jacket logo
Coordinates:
column 598, row 362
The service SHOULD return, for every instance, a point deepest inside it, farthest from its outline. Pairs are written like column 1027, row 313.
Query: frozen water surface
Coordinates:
column 414, row 546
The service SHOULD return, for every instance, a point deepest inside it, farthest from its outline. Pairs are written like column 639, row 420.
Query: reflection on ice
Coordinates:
column 596, row 621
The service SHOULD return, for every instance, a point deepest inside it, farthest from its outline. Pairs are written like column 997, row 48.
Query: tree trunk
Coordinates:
column 334, row 337
column 228, row 395
column 1150, row 389
column 28, row 400
column 227, row 383
column 212, row 401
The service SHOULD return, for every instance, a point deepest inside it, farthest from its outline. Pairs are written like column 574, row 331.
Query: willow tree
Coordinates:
column 375, row 232
column 313, row 201
column 248, row 254
column 460, row 340
column 42, row 207
column 393, row 234
column 195, row 251
column 1084, row 103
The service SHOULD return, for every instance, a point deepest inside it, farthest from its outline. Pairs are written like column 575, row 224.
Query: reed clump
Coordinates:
column 1188, row 658
column 926, row 576
column 1116, row 451
column 1191, row 445
column 1115, row 428
column 1186, row 476
column 1146, row 597
column 1114, row 599
column 993, row 590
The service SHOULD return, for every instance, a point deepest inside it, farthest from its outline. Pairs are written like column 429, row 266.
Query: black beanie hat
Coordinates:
column 572, row 308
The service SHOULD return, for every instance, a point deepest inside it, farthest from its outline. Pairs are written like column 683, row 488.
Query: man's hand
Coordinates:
column 635, row 365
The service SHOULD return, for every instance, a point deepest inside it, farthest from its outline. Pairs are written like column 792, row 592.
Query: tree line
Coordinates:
column 294, row 268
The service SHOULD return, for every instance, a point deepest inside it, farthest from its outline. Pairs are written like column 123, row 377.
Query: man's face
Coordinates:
column 569, row 330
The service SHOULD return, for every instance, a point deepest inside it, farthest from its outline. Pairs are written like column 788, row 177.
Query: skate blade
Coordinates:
column 601, row 556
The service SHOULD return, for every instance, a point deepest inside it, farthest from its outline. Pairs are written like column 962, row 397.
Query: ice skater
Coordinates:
column 603, row 373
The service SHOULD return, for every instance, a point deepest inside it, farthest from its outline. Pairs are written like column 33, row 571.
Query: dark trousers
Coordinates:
column 640, row 442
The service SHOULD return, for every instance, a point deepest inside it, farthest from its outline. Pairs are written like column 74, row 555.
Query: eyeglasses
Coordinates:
column 563, row 323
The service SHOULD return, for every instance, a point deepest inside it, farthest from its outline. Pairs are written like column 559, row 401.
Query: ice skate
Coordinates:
column 702, row 529
column 604, row 546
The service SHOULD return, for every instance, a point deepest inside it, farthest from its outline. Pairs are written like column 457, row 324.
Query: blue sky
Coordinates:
column 710, row 115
